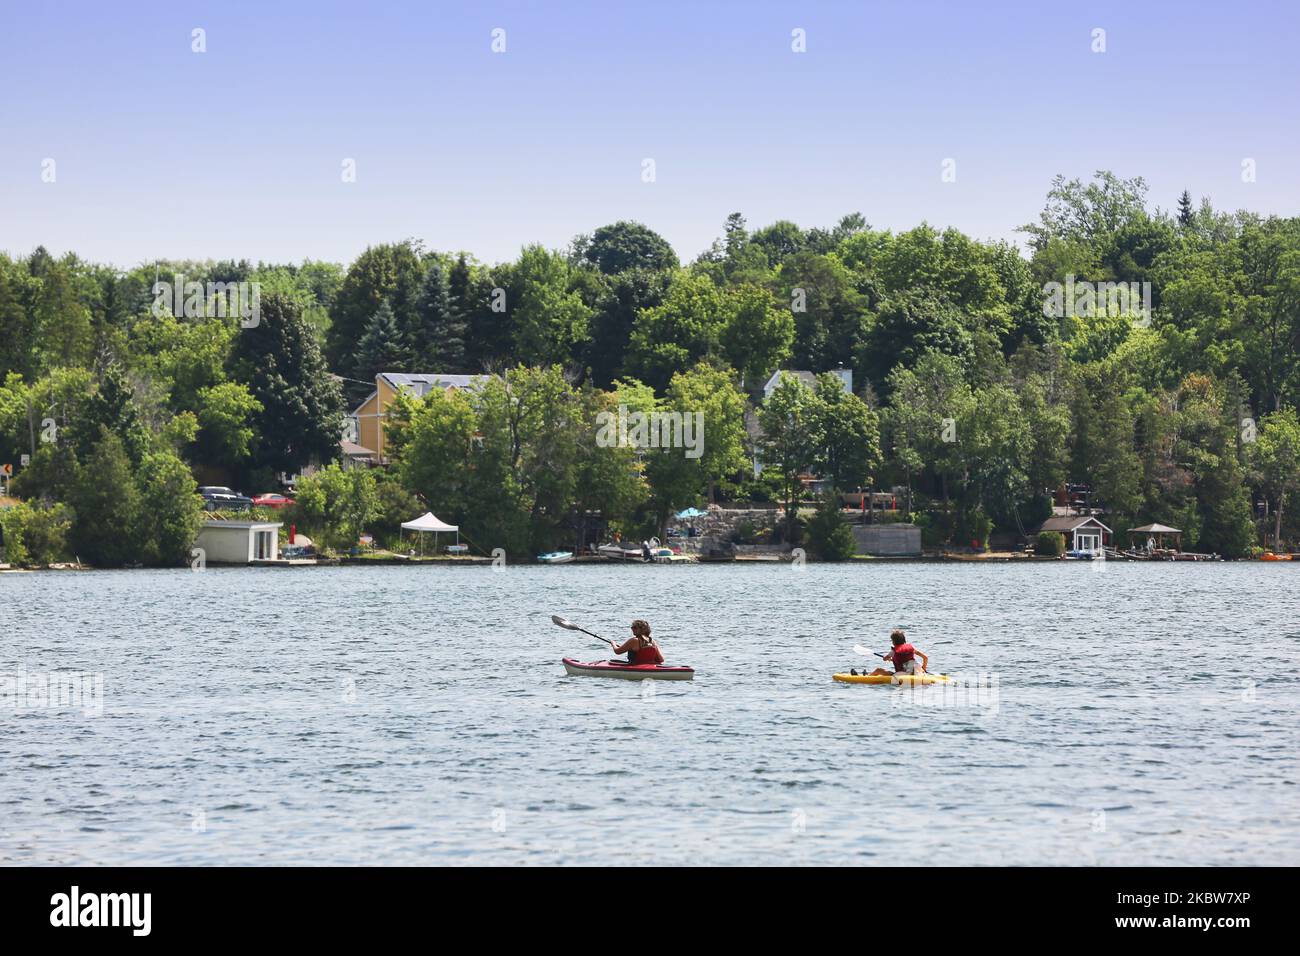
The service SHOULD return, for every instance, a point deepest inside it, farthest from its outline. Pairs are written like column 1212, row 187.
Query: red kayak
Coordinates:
column 626, row 671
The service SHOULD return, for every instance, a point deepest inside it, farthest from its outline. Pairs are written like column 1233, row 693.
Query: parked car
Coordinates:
column 221, row 498
column 272, row 500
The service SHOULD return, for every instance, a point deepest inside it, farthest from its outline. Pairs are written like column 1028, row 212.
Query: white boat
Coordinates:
column 555, row 557
column 616, row 552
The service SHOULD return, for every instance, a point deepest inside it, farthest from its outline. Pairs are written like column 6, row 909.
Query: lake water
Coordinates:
column 1146, row 714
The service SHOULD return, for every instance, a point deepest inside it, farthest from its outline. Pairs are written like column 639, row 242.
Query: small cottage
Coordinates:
column 1082, row 532
column 239, row 542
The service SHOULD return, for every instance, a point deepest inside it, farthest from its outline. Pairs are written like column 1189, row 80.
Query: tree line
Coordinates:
column 979, row 386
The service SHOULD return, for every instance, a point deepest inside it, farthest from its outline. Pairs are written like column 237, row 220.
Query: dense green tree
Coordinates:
column 628, row 245
column 1103, row 446
column 610, row 475
column 551, row 321
column 829, row 536
column 438, row 342
column 383, row 347
column 64, row 336
column 107, row 503
column 226, row 415
column 338, row 505
column 678, row 333
column 35, row 533
column 928, row 405
column 685, row 464
column 789, row 420
column 757, row 334
column 437, row 456
column 170, row 512
column 489, row 315
column 909, row 325
column 778, row 242
column 830, row 313
column 279, row 362
column 848, row 432
column 112, row 407
column 614, row 317
column 16, row 346
column 391, row 273
column 1088, row 213
column 1276, row 459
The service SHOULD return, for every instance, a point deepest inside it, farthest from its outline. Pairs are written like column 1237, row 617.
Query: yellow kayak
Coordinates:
column 910, row 679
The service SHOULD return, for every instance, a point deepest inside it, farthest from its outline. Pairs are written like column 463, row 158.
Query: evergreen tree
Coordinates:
column 382, row 347
column 487, row 308
column 64, row 334
column 15, row 334
column 301, row 419
column 112, row 407
column 439, row 342
column 1185, row 212
column 171, row 511
column 391, row 272
column 106, row 501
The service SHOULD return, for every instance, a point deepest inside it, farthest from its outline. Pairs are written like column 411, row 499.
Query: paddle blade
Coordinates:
column 556, row 619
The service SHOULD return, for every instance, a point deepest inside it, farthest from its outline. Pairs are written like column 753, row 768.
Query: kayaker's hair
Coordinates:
column 898, row 637
column 639, row 627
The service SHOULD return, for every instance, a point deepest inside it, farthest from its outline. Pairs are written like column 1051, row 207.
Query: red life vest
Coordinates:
column 902, row 654
column 649, row 654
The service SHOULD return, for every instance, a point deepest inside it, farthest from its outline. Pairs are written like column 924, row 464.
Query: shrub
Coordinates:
column 829, row 537
column 337, row 504
column 35, row 535
column 1050, row 543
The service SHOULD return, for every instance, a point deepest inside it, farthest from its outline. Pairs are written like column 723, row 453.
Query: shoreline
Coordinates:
column 596, row 560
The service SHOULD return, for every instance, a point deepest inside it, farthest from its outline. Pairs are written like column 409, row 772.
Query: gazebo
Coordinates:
column 1159, row 534
column 430, row 522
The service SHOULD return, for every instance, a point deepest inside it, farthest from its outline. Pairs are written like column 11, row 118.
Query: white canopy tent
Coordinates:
column 430, row 522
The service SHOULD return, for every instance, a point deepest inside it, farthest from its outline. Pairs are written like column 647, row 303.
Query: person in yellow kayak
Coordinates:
column 903, row 655
column 640, row 648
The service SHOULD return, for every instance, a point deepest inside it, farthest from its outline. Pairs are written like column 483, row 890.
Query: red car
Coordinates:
column 272, row 501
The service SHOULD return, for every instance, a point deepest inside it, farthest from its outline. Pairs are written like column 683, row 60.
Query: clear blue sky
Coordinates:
column 237, row 152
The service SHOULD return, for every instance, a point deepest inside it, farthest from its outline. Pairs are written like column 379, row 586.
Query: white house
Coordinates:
column 845, row 376
column 239, row 542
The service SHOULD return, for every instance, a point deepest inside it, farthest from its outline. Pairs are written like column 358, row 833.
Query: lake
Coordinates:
column 1147, row 713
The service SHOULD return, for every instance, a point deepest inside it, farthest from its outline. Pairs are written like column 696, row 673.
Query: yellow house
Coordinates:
column 368, row 417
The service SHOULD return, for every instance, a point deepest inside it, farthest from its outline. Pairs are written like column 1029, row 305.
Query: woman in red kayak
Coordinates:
column 904, row 657
column 640, row 648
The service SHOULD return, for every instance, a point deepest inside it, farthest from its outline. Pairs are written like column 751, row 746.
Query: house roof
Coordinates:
column 1071, row 523
column 353, row 450
column 808, row 378
column 421, row 383
column 845, row 375
column 223, row 524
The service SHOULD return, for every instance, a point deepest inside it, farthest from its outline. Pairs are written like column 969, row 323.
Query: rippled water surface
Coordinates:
column 1149, row 714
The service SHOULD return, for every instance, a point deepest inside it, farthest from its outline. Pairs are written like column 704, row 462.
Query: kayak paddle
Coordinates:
column 570, row 626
